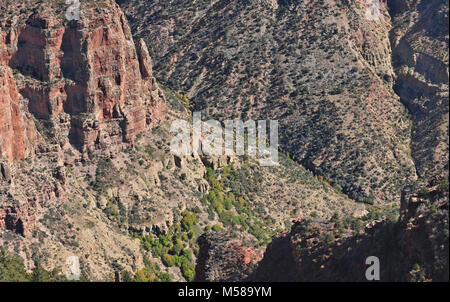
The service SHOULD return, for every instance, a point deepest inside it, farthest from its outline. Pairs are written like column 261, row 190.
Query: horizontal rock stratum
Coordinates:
column 87, row 77
column 68, row 86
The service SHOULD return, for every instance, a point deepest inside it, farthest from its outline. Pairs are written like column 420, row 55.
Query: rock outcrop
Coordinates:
column 87, row 77
column 223, row 258
column 16, row 131
column 65, row 87
column 420, row 40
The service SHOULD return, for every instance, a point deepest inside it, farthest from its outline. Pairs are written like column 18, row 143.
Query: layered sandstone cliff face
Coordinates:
column 17, row 131
column 74, row 96
column 86, row 76
column 84, row 84
column 68, row 90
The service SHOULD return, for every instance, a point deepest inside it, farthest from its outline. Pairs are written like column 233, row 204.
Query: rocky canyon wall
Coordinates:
column 16, row 131
column 86, row 76
column 419, row 40
column 66, row 87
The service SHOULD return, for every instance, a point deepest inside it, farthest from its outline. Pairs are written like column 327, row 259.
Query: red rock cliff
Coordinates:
column 86, row 76
column 15, row 131
column 63, row 85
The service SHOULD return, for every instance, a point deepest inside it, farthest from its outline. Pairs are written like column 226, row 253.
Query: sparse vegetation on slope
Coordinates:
column 320, row 68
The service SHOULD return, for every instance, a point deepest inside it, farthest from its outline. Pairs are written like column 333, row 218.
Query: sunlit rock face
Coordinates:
column 87, row 74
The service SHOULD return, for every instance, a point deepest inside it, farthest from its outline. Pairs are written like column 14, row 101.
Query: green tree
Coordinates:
column 168, row 260
column 188, row 272
column 188, row 221
column 217, row 228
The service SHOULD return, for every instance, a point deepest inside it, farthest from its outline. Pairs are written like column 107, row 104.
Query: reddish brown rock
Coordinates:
column 88, row 69
column 223, row 258
column 19, row 220
column 15, row 132
column 84, row 83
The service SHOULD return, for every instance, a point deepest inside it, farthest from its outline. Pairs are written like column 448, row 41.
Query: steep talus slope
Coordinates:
column 420, row 57
column 319, row 67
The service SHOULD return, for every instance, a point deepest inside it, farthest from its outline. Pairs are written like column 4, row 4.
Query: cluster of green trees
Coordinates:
column 178, row 246
column 188, row 221
column 173, row 248
column 229, row 202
